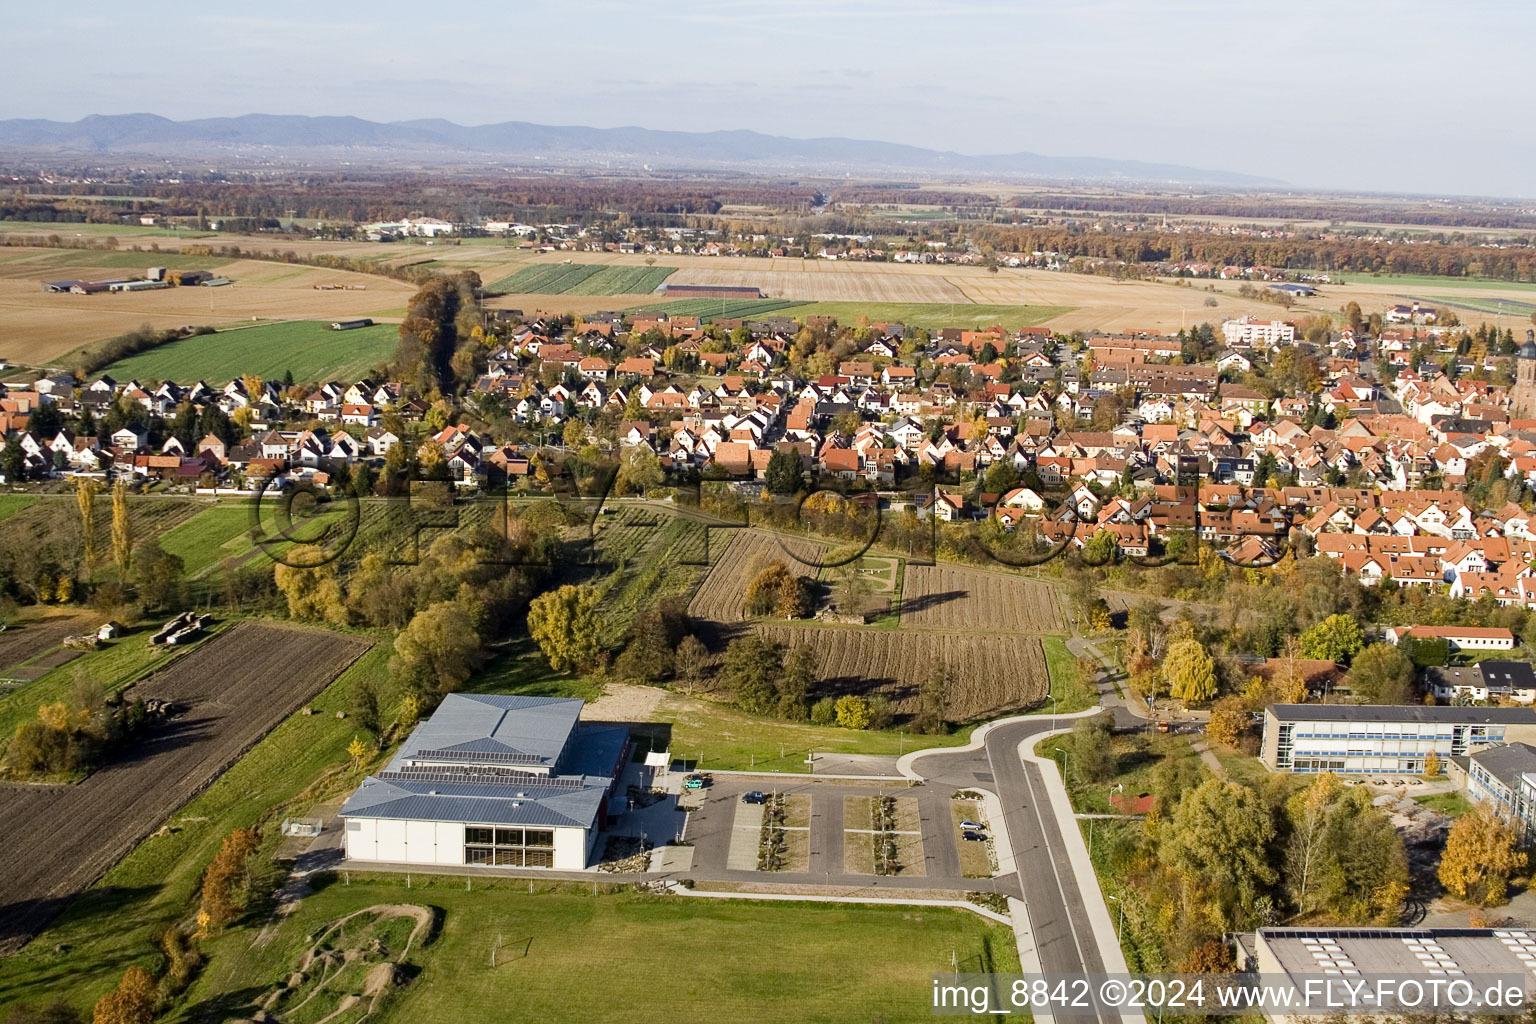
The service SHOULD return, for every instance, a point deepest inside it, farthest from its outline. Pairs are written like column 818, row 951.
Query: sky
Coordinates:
column 1369, row 95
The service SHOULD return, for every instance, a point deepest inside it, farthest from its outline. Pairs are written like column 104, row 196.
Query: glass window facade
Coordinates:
column 509, row 847
column 1386, row 748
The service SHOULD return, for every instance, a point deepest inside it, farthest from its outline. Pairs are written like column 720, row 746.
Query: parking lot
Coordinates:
column 834, row 840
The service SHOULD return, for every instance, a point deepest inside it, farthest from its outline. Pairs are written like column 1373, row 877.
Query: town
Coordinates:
column 736, row 522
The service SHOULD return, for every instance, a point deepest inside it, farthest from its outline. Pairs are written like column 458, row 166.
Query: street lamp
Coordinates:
column 1120, row 927
column 1066, row 762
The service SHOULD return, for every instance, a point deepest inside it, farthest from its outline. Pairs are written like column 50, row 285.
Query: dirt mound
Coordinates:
column 381, row 978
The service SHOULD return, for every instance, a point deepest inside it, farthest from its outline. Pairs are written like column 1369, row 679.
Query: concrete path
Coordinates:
column 746, row 838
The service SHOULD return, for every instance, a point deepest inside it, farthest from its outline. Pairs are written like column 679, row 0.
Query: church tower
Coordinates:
column 1522, row 400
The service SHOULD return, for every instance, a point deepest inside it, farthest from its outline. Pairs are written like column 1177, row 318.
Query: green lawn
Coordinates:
column 1071, row 691
column 1480, row 304
column 127, row 259
column 568, row 955
column 581, row 279
column 722, row 738
column 1452, row 804
column 308, row 349
column 114, row 924
column 931, row 314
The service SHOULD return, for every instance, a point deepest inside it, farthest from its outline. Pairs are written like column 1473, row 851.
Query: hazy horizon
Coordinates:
column 1356, row 97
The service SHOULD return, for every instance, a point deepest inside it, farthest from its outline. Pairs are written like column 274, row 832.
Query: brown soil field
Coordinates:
column 953, row 598
column 235, row 688
column 991, row 675
column 42, row 327
column 720, row 598
column 25, row 640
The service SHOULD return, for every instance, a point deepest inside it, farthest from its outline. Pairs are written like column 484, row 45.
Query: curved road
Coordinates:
column 1057, row 907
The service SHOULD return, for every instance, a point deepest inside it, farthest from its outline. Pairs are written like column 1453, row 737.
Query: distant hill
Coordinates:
column 520, row 142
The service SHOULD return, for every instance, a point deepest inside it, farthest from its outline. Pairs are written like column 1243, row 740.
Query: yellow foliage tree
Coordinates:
column 86, row 490
column 122, row 530
column 1481, row 855
column 133, row 1001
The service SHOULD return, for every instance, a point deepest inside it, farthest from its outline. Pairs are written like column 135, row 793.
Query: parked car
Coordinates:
column 695, row 782
column 976, row 825
column 755, row 797
column 973, row 837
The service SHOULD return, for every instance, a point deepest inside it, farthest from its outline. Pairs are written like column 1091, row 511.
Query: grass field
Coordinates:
column 1506, row 307
column 307, row 348
column 727, row 739
column 1071, row 692
column 84, row 952
column 1452, row 804
column 1432, row 281
column 717, row 309
column 931, row 314
column 681, row 959
column 10, row 504
column 216, row 533
column 582, row 279
column 63, row 230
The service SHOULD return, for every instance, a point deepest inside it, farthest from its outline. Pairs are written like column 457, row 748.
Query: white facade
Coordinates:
column 1258, row 333
column 443, row 842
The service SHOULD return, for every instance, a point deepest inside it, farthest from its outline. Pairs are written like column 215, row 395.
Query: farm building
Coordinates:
column 490, row 780
column 351, row 325
column 711, row 291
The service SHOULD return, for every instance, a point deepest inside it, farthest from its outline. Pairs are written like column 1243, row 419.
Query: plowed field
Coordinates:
column 989, row 675
column 723, row 593
column 233, row 689
column 953, row 598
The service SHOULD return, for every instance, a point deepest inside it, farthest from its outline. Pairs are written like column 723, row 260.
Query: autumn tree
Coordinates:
column 1190, row 672
column 1219, row 839
column 310, row 585
column 1481, row 855
column 564, row 623
column 122, row 529
column 778, row 590
column 1229, row 720
column 639, row 470
column 86, row 490
column 438, row 649
column 853, row 712
column 227, row 884
column 133, row 1001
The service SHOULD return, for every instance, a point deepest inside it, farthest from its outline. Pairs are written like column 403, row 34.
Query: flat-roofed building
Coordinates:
column 493, row 781
column 1387, row 739
column 1420, row 954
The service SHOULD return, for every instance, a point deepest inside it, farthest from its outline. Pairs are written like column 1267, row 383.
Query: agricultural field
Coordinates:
column 647, row 556
column 582, row 279
column 723, row 594
column 308, row 349
column 24, row 644
column 57, row 518
column 950, row 597
column 234, row 688
column 718, row 309
column 989, row 675
column 817, row 281
column 10, row 504
column 42, row 328
column 932, row 315
column 213, row 535
column 723, row 960
column 77, row 958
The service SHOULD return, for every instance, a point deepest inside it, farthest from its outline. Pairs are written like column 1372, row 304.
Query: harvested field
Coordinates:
column 42, row 328
column 234, row 689
column 990, row 675
column 23, row 641
column 786, row 279
column 723, row 593
column 949, row 597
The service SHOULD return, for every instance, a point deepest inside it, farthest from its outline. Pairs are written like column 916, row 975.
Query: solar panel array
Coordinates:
column 487, row 756
column 485, row 776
